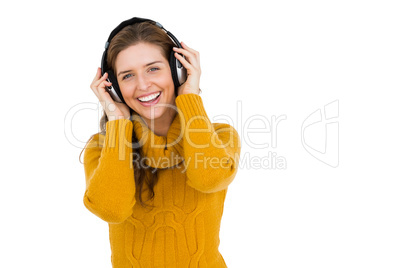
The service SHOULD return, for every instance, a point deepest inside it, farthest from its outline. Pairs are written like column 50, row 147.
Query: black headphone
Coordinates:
column 179, row 73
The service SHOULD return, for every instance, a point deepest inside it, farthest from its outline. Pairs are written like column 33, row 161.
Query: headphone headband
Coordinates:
column 117, row 30
column 124, row 24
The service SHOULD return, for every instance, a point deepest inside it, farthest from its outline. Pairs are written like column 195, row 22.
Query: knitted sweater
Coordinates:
column 196, row 162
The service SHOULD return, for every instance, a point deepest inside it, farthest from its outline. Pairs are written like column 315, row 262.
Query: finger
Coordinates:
column 188, row 56
column 183, row 61
column 103, row 86
column 99, row 81
column 105, row 98
column 100, row 88
column 189, row 48
column 101, row 92
column 187, row 52
column 98, row 75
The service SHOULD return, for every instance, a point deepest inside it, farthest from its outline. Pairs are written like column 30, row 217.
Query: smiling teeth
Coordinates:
column 150, row 97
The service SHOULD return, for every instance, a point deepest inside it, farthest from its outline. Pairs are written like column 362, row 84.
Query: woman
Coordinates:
column 158, row 143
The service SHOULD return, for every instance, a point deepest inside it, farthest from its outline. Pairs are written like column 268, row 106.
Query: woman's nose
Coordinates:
column 142, row 82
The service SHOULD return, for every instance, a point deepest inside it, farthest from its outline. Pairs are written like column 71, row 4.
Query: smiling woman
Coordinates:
column 143, row 71
column 158, row 142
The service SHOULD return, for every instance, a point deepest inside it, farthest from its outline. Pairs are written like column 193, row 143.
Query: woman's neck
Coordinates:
column 161, row 125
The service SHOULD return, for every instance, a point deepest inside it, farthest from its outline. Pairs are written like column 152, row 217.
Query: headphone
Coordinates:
column 179, row 73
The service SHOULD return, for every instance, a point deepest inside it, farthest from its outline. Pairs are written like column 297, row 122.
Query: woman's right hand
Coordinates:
column 114, row 110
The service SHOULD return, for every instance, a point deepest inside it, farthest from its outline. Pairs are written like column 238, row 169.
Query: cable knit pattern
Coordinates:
column 196, row 162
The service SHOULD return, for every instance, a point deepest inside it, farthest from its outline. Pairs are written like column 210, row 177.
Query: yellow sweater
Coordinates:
column 182, row 230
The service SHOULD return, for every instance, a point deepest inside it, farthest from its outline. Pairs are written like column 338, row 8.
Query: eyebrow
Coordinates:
column 127, row 71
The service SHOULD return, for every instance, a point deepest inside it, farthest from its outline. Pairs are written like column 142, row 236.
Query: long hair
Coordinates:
column 144, row 32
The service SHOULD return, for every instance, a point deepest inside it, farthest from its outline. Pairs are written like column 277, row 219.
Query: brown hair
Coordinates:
column 144, row 32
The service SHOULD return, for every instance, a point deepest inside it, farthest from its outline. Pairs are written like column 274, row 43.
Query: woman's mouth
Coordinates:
column 151, row 99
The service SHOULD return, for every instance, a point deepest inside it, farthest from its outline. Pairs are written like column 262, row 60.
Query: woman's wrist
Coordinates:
column 190, row 92
column 117, row 117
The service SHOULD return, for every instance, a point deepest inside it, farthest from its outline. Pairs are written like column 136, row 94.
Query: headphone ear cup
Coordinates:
column 173, row 69
column 179, row 73
column 114, row 90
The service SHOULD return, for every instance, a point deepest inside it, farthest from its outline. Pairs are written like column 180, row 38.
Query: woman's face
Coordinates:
column 143, row 71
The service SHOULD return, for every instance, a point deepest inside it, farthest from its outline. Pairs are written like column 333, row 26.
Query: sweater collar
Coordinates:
column 160, row 151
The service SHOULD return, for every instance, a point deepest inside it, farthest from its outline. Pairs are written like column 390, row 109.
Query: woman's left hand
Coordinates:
column 193, row 67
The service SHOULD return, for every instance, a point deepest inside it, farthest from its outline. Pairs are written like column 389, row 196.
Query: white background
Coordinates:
column 258, row 58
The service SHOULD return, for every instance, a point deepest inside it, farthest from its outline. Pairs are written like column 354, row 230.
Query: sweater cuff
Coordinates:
column 118, row 135
column 192, row 108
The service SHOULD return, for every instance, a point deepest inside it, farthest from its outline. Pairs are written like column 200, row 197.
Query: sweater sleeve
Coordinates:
column 211, row 151
column 110, row 184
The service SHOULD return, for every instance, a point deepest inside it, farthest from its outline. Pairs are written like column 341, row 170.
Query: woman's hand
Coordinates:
column 193, row 67
column 114, row 110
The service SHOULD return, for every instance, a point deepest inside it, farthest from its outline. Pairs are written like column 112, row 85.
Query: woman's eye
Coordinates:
column 129, row 75
column 126, row 76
